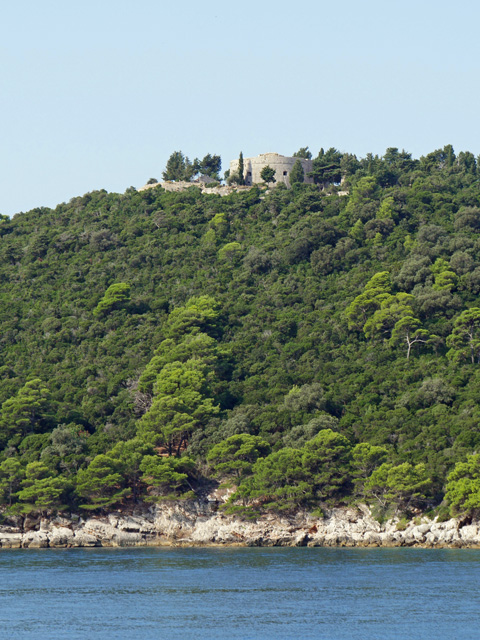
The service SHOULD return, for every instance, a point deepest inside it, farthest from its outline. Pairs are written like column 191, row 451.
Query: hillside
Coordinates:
column 306, row 346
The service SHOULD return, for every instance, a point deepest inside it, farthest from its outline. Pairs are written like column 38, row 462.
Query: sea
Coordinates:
column 240, row 593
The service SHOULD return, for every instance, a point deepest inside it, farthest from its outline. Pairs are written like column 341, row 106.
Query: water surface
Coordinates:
column 250, row 594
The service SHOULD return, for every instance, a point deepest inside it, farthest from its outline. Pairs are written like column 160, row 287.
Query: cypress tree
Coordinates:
column 241, row 169
column 297, row 173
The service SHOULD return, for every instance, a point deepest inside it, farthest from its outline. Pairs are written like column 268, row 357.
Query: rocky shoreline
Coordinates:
column 200, row 524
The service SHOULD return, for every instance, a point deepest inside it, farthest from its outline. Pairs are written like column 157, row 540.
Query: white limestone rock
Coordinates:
column 60, row 537
column 431, row 538
column 196, row 523
column 84, row 539
column 135, row 524
column 417, row 534
column 10, row 540
column 469, row 533
column 35, row 540
column 448, row 536
column 100, row 529
column 389, row 539
column 424, row 528
column 126, row 539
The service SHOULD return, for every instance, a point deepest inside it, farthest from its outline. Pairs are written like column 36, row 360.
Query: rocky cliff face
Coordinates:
column 198, row 524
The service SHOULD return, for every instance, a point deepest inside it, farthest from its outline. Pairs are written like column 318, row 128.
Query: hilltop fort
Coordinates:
column 282, row 165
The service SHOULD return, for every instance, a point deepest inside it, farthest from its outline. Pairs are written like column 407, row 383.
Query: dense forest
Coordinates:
column 307, row 347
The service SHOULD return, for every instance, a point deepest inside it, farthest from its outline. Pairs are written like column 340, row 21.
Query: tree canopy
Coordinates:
column 309, row 346
column 267, row 174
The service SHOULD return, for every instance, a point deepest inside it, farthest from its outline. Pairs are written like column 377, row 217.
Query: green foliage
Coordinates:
column 239, row 176
column 464, row 341
column 408, row 330
column 387, row 209
column 11, row 475
column 179, row 167
column 365, row 459
column 362, row 203
column 300, row 434
column 42, row 490
column 180, row 405
column 130, row 455
column 406, row 486
column 267, row 174
column 66, row 449
column 279, row 482
column 297, row 174
column 27, row 412
column 376, row 291
column 463, row 486
column 230, row 252
column 445, row 278
column 303, row 152
column 276, row 315
column 327, row 457
column 327, row 167
column 101, row 484
column 198, row 346
column 199, row 313
column 241, row 169
column 393, row 309
column 237, row 454
column 168, row 477
column 210, row 165
column 294, row 478
column 116, row 296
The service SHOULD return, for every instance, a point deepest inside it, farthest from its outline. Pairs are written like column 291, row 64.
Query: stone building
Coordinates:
column 282, row 165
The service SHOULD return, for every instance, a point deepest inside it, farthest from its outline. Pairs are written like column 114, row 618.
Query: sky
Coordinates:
column 98, row 94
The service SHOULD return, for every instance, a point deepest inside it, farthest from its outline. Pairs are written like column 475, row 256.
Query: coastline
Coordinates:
column 198, row 524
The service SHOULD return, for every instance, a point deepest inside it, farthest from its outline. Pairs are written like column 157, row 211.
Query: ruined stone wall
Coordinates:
column 222, row 190
column 282, row 165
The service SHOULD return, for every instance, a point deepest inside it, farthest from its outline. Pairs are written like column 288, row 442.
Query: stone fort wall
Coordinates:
column 282, row 165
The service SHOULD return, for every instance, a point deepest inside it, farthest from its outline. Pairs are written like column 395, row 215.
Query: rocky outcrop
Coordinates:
column 201, row 524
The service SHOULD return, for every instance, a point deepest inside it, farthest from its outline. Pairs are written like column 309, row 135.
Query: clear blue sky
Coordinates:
column 98, row 94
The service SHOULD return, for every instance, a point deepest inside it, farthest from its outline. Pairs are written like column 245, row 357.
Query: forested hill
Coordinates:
column 310, row 345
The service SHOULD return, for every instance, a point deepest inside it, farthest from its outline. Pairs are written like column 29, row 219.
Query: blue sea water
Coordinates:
column 248, row 594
